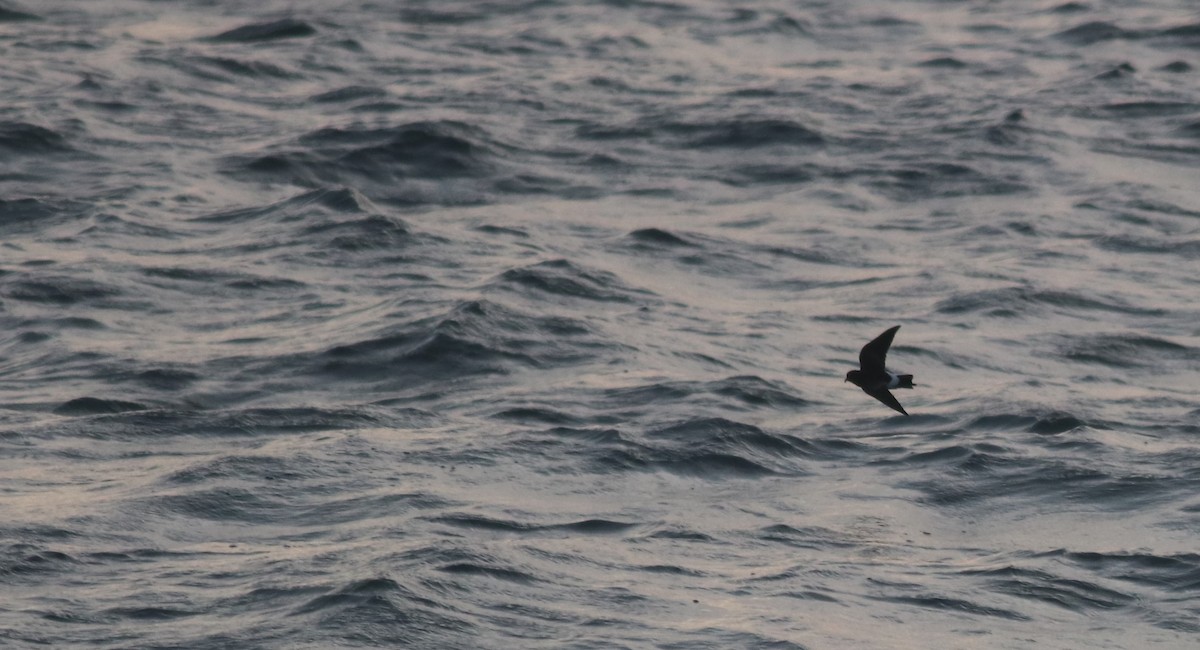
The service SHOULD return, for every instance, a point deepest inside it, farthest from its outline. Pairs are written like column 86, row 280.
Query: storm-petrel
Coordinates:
column 873, row 378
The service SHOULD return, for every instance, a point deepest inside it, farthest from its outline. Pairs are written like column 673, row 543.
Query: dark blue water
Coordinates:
column 523, row 324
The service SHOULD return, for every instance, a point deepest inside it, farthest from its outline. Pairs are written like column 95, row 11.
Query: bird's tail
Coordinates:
column 905, row 381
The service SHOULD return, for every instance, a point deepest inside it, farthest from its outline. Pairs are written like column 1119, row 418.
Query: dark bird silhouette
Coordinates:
column 873, row 377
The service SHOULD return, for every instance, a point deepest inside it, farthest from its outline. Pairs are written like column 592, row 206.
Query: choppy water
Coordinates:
column 523, row 324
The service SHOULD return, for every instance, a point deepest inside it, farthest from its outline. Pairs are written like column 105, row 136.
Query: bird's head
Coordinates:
column 852, row 377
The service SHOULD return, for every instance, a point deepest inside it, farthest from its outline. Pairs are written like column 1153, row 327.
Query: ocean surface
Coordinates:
column 524, row 324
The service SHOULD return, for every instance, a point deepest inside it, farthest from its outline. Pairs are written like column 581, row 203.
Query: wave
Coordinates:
column 330, row 225
column 489, row 524
column 925, row 180
column 441, row 161
column 239, row 467
column 374, row 232
column 95, row 406
column 348, row 94
column 1186, row 248
column 715, row 447
column 1093, row 32
column 10, row 13
column 268, row 31
column 60, row 290
column 655, row 239
column 1050, row 422
column 743, row 392
column 709, row 448
column 971, row 475
column 378, row 611
column 572, row 414
column 742, row 133
column 1125, row 350
column 715, row 254
column 476, row 337
column 33, row 214
column 29, row 562
column 1044, row 587
column 23, row 138
column 285, row 498
column 961, row 605
column 566, row 279
column 215, row 282
column 1090, row 33
column 337, row 200
column 1023, row 300
column 160, row 422
column 1178, row 572
column 232, row 70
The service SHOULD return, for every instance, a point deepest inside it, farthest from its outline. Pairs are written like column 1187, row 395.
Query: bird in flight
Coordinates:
column 873, row 377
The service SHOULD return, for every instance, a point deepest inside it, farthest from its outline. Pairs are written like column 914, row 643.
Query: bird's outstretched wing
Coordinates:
column 874, row 354
column 885, row 396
